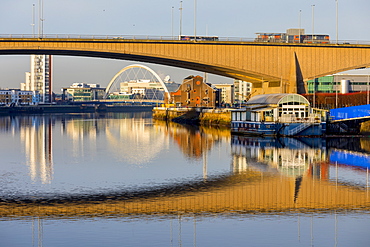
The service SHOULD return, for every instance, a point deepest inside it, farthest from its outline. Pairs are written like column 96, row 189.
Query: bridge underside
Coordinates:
column 227, row 72
column 271, row 67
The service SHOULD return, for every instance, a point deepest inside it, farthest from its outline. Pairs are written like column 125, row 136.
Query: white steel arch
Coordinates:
column 136, row 66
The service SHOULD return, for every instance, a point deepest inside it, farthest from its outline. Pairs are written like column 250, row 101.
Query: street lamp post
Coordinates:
column 33, row 21
column 336, row 14
column 172, row 22
column 313, row 21
column 180, row 18
column 195, row 20
column 41, row 18
column 300, row 17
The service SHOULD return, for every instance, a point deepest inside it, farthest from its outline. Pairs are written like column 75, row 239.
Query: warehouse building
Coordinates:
column 194, row 92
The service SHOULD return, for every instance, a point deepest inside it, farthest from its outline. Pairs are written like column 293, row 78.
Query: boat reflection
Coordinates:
column 287, row 156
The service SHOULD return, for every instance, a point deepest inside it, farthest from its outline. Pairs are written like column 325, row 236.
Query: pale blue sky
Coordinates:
column 233, row 18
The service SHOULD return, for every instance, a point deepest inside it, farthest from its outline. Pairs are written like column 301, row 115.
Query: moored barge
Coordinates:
column 278, row 115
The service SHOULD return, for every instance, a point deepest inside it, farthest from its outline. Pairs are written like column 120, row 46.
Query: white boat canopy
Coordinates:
column 277, row 99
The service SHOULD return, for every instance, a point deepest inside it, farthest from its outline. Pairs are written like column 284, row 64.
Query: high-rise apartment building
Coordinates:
column 39, row 78
column 227, row 93
column 242, row 90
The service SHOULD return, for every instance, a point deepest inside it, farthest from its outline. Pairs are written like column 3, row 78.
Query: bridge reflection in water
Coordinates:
column 267, row 176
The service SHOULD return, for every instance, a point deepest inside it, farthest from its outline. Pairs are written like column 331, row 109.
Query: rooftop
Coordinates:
column 275, row 99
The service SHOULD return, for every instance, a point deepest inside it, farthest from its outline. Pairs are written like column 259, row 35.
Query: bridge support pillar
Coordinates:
column 296, row 83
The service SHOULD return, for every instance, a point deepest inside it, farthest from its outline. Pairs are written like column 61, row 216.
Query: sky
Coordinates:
column 233, row 18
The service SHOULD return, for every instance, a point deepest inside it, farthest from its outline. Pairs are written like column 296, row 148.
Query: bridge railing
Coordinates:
column 146, row 37
column 111, row 37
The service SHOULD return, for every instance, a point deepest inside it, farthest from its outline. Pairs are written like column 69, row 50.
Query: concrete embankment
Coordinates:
column 198, row 116
column 49, row 109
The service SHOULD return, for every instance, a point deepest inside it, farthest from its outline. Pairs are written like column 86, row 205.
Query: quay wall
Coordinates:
column 162, row 113
column 197, row 115
column 215, row 118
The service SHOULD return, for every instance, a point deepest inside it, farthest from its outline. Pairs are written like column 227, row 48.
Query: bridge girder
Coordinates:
column 227, row 72
column 271, row 67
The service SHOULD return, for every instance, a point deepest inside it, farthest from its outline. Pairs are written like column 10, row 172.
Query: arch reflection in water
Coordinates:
column 84, row 143
column 127, row 140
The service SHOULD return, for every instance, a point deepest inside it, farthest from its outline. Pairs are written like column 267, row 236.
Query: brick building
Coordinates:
column 193, row 92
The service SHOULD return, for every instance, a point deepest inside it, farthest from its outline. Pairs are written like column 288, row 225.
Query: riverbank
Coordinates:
column 222, row 118
column 49, row 109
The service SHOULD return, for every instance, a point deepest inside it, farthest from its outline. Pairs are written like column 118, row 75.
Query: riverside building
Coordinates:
column 340, row 83
column 242, row 91
column 227, row 93
column 39, row 77
column 83, row 92
column 194, row 92
column 18, row 97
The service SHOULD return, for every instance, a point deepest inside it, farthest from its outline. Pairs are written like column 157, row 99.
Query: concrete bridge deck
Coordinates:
column 271, row 67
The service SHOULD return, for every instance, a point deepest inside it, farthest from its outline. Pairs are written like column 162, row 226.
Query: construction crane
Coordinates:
column 246, row 97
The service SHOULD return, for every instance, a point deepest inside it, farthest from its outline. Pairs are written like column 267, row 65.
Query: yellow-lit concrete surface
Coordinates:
column 272, row 67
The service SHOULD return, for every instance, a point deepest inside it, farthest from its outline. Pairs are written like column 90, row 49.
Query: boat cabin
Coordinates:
column 280, row 115
column 274, row 108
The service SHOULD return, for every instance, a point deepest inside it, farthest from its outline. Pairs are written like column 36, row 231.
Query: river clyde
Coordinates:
column 123, row 179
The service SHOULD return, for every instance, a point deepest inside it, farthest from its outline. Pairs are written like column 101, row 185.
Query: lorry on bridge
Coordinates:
column 293, row 35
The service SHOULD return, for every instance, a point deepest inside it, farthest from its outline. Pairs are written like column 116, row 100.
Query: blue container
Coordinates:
column 353, row 112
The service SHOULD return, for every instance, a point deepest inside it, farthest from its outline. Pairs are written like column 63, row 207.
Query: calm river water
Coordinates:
column 123, row 179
